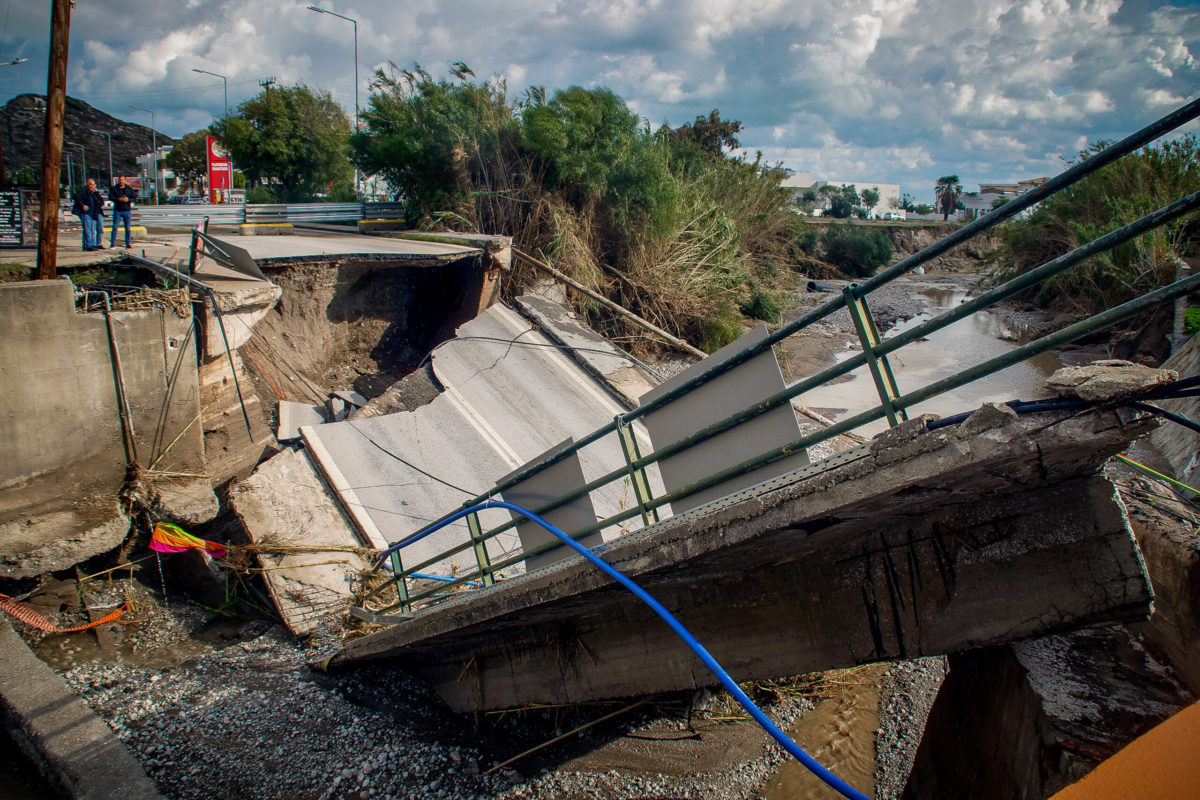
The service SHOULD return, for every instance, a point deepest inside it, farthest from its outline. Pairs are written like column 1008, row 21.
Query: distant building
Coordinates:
column 802, row 182
column 167, row 182
column 990, row 195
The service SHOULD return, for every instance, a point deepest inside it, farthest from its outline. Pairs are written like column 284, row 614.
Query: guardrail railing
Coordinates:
column 238, row 214
column 893, row 403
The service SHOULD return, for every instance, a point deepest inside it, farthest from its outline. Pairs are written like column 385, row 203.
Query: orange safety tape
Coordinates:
column 31, row 617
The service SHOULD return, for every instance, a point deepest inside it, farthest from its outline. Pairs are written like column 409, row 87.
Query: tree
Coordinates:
column 870, row 199
column 843, row 200
column 449, row 147
column 946, row 192
column 188, row 159
column 291, row 136
column 857, row 251
column 710, row 134
column 583, row 134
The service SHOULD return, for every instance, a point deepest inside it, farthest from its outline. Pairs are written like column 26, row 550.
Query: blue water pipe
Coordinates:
column 810, row 763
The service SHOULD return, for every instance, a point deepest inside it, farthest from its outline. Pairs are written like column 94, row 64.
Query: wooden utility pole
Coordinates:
column 56, row 99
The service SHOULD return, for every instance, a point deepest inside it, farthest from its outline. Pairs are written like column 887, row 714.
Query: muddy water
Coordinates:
column 840, row 734
column 965, row 343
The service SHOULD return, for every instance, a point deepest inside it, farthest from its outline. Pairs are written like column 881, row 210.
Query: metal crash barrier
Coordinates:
column 237, row 214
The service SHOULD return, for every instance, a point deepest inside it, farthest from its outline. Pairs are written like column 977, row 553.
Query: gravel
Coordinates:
column 906, row 697
column 253, row 720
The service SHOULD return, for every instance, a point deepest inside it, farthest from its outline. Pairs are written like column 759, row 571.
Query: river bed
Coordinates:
column 965, row 343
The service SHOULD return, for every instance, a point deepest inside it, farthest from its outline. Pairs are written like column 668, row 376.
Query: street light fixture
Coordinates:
column 83, row 151
column 14, row 61
column 225, row 83
column 111, row 180
column 154, row 144
column 353, row 21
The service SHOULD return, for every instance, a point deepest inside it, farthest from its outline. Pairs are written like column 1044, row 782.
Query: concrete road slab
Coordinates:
column 312, row 556
column 294, row 416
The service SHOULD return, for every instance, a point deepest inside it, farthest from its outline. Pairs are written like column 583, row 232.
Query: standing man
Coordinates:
column 122, row 197
column 88, row 205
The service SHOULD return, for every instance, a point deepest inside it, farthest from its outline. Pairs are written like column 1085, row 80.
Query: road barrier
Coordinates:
column 236, row 214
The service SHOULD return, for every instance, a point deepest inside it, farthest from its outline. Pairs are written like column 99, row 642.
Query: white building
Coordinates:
column 801, row 182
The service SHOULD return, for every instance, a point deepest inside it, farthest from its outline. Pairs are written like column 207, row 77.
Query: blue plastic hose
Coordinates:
column 810, row 763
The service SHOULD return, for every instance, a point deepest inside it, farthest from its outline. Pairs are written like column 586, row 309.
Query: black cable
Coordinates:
column 1178, row 419
column 408, row 464
column 1170, row 391
column 555, row 345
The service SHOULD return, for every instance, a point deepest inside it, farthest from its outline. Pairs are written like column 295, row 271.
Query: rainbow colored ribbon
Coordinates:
column 168, row 538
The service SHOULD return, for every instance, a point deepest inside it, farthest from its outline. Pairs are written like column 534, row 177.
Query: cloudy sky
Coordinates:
column 894, row 91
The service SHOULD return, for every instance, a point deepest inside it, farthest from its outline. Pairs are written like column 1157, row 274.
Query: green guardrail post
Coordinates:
column 881, row 369
column 479, row 545
column 637, row 476
column 401, row 582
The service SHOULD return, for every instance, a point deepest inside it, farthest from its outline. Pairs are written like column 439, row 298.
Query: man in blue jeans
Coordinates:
column 88, row 205
column 122, row 197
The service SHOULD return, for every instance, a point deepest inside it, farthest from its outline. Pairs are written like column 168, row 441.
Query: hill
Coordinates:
column 21, row 126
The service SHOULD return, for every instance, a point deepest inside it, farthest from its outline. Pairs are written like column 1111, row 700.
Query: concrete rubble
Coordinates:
column 312, row 559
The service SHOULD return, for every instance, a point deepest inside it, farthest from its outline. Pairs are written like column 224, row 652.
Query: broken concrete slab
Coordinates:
column 186, row 501
column 1109, row 378
column 352, row 398
column 939, row 543
column 74, row 750
column 624, row 376
column 58, row 540
column 337, row 408
column 503, row 404
column 311, row 557
column 294, row 416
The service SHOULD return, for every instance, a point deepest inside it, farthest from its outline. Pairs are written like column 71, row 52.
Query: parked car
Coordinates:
column 893, row 215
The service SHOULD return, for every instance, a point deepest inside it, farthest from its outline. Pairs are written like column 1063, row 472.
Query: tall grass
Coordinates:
column 1100, row 203
column 678, row 234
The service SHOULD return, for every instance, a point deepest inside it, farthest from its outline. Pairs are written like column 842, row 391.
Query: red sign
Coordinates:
column 220, row 180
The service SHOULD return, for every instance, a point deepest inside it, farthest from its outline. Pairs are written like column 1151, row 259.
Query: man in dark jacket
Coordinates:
column 88, row 205
column 122, row 197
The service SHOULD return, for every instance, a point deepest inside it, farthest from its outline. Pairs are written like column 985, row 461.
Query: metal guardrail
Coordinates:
column 238, row 214
column 874, row 355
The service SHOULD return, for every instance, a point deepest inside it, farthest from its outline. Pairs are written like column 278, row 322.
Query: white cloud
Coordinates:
column 901, row 90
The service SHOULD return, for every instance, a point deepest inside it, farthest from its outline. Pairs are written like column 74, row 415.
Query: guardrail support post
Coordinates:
column 637, row 477
column 401, row 583
column 479, row 545
column 881, row 369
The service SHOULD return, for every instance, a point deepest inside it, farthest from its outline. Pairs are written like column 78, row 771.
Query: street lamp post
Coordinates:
column 70, row 176
column 225, row 83
column 154, row 144
column 111, row 181
column 83, row 152
column 355, row 23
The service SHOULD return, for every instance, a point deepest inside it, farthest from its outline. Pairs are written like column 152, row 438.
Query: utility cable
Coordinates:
column 554, row 345
column 831, row 780
column 408, row 464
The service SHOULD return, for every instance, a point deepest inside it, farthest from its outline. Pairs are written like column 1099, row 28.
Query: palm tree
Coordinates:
column 946, row 190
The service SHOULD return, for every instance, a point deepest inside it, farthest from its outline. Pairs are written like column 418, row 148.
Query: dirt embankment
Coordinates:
column 907, row 239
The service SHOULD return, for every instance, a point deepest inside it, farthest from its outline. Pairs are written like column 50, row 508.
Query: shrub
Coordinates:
column 762, row 306
column 261, row 195
column 726, row 327
column 1109, row 198
column 857, row 251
